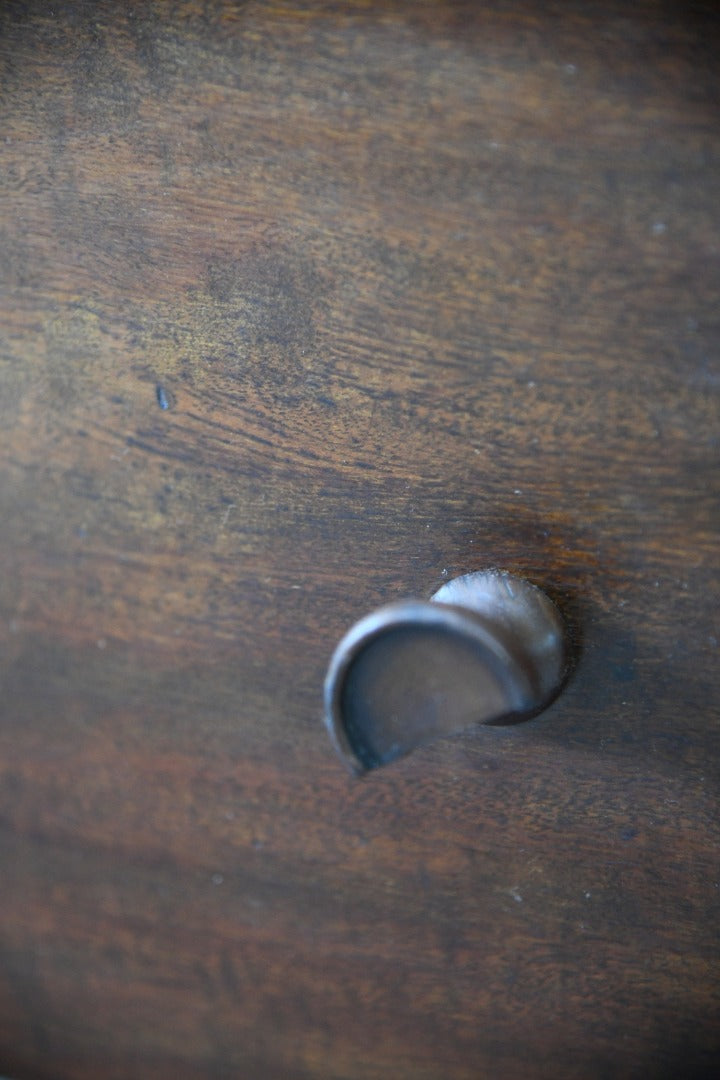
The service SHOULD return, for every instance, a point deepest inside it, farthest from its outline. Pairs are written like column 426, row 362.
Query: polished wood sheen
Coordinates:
column 307, row 308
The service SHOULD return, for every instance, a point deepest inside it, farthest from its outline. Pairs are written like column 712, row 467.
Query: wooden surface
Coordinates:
column 307, row 307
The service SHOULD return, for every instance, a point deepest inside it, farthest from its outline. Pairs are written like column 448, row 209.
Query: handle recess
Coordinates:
column 488, row 648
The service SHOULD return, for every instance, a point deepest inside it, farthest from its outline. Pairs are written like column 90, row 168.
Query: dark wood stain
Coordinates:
column 307, row 307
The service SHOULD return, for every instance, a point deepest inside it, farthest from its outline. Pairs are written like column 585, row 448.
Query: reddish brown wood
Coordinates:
column 425, row 288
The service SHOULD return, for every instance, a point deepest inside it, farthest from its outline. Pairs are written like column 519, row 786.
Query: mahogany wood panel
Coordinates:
column 307, row 307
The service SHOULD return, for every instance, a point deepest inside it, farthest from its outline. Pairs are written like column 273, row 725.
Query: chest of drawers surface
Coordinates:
column 306, row 308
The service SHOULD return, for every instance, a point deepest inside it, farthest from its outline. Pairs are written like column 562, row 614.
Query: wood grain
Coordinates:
column 305, row 308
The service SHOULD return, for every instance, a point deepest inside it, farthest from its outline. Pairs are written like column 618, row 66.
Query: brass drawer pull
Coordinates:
column 488, row 648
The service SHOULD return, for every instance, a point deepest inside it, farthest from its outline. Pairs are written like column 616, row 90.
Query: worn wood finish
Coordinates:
column 307, row 307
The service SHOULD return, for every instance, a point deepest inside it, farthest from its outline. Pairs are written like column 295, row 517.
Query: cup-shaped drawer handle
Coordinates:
column 488, row 647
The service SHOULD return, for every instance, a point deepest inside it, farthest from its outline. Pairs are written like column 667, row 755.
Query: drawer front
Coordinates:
column 307, row 309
